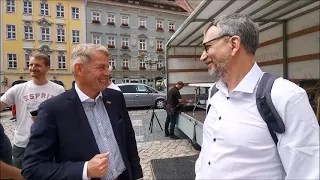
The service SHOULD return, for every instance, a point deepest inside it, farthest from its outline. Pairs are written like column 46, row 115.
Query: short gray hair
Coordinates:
column 82, row 53
column 240, row 25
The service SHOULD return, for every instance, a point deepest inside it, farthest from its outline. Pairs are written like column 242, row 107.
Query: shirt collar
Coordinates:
column 248, row 83
column 83, row 97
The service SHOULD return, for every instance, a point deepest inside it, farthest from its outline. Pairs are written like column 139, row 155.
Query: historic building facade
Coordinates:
column 48, row 26
column 135, row 33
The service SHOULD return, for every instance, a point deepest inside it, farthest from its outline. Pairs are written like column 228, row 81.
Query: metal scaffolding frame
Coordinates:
column 267, row 13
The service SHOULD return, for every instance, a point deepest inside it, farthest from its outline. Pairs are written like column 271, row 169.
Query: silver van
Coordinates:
column 139, row 95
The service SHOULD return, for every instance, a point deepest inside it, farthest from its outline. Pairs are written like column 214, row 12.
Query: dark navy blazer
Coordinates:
column 62, row 140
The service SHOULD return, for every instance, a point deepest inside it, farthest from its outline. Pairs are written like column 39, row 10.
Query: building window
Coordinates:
column 171, row 26
column 10, row 6
column 159, row 64
column 142, row 22
column 28, row 32
column 125, row 41
column 62, row 64
column 75, row 36
column 26, row 60
column 75, row 13
column 124, row 20
column 159, row 25
column 44, row 9
column 126, row 80
column 159, row 45
column 125, row 63
column 142, row 44
column 45, row 34
column 96, row 16
column 60, row 10
column 49, row 56
column 11, row 32
column 142, row 64
column 96, row 39
column 112, row 63
column 61, row 35
column 143, row 81
column 111, row 41
column 27, row 7
column 12, row 61
column 111, row 18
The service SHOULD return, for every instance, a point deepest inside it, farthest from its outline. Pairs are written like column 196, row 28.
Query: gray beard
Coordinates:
column 215, row 74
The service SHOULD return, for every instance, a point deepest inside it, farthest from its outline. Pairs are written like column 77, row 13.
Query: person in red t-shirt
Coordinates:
column 14, row 112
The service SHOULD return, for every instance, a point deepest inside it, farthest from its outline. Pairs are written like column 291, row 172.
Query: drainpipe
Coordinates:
column 285, row 50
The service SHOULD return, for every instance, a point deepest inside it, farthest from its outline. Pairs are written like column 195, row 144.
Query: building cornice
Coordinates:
column 138, row 7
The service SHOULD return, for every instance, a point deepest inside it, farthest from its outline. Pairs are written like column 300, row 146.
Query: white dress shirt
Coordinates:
column 237, row 143
column 83, row 97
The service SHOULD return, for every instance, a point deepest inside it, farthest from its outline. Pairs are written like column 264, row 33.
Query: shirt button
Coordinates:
column 228, row 98
column 220, row 118
column 209, row 163
column 214, row 139
column 99, row 124
column 104, row 138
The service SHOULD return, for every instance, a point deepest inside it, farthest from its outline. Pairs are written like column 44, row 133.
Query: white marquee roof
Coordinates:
column 268, row 13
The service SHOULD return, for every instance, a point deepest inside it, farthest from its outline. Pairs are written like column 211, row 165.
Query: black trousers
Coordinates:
column 5, row 150
column 17, row 156
column 171, row 119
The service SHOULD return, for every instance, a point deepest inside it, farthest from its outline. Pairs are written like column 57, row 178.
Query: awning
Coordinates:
column 267, row 13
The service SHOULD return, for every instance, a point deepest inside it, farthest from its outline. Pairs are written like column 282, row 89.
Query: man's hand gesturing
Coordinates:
column 98, row 165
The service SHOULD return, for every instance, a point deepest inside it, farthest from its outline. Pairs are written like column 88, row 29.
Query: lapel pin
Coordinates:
column 108, row 102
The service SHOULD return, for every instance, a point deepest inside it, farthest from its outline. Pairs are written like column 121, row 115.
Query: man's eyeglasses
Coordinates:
column 206, row 46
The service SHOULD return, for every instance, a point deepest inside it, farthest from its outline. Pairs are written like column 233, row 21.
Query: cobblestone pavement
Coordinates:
column 150, row 145
column 141, row 122
column 161, row 150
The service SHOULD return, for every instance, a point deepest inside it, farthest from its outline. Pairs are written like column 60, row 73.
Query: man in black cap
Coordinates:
column 173, row 100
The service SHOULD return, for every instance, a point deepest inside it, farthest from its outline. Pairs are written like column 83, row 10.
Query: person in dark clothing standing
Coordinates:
column 7, row 171
column 173, row 100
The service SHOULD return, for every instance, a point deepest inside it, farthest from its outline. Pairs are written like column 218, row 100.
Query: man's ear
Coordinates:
column 78, row 69
column 235, row 44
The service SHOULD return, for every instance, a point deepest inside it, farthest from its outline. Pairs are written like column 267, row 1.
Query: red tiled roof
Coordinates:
column 180, row 3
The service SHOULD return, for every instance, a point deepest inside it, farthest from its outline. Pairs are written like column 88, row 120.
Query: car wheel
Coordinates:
column 160, row 104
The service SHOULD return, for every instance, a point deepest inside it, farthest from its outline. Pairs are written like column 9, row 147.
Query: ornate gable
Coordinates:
column 45, row 49
column 142, row 36
column 125, row 55
column 44, row 22
column 124, row 34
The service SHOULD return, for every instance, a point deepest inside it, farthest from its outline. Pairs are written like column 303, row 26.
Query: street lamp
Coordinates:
column 150, row 60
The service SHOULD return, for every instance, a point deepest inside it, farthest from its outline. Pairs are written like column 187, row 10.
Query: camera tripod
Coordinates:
column 154, row 115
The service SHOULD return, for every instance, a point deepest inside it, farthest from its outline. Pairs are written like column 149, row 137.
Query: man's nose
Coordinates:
column 203, row 56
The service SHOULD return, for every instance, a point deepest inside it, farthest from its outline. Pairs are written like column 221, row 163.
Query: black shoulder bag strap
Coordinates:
column 213, row 91
column 266, row 108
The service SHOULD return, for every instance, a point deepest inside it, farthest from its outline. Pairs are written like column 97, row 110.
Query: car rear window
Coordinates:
column 128, row 88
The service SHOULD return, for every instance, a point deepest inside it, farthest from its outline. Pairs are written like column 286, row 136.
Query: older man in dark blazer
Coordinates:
column 86, row 132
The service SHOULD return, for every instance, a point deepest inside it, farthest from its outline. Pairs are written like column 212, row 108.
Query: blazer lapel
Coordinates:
column 82, row 120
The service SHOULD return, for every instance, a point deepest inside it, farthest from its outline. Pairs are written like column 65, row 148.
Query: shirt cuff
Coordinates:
column 84, row 173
